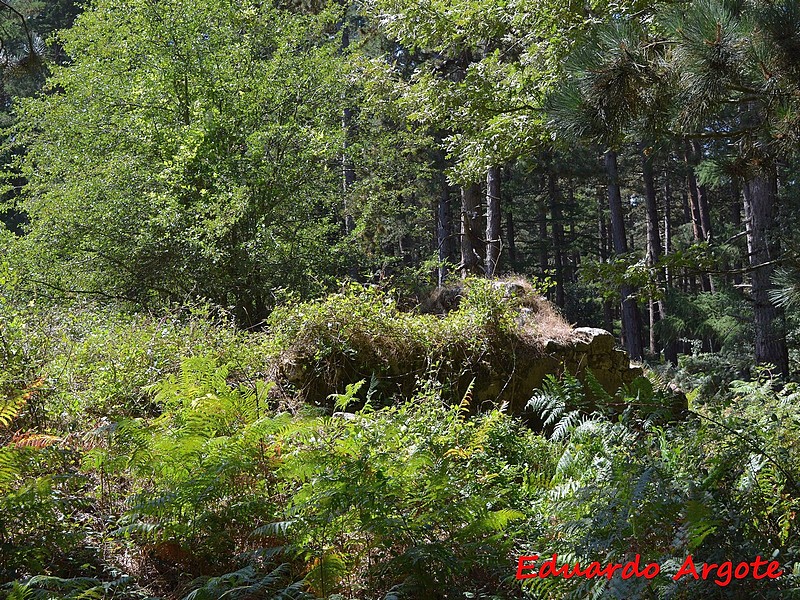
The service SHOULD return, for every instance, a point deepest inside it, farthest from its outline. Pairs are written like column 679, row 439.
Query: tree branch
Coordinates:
column 24, row 25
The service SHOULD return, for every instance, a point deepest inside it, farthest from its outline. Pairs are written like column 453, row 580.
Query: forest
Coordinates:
column 399, row 299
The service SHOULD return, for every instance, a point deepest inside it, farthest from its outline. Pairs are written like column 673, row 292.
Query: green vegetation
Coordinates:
column 320, row 346
column 154, row 457
column 273, row 274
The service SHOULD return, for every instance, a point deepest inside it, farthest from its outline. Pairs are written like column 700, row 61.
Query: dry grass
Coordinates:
column 540, row 319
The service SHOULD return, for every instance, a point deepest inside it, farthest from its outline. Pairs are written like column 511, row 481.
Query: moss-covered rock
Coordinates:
column 496, row 340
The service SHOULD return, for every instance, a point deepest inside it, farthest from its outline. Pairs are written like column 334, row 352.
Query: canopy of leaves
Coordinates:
column 164, row 160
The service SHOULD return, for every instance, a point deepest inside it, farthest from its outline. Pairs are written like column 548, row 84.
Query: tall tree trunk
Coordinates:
column 558, row 235
column 687, row 279
column 702, row 197
column 444, row 228
column 760, row 193
column 631, row 318
column 653, row 253
column 602, row 224
column 694, row 205
column 602, row 230
column 736, row 221
column 667, row 224
column 544, row 255
column 698, row 199
column 511, row 235
column 470, row 241
column 670, row 345
column 493, row 244
column 570, row 274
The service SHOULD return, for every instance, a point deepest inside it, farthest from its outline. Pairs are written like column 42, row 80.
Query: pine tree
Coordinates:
column 740, row 76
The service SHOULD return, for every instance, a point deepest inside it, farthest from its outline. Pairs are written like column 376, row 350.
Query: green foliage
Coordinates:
column 361, row 333
column 478, row 74
column 163, row 162
column 200, row 469
column 218, row 491
column 433, row 493
column 716, row 486
column 248, row 583
column 722, row 317
column 416, row 499
column 74, row 588
column 245, row 153
column 93, row 362
column 40, row 498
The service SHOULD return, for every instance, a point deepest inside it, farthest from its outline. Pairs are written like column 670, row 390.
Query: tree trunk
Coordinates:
column 544, row 256
column 570, row 270
column 558, row 235
column 736, row 220
column 687, row 279
column 670, row 345
column 493, row 244
column 602, row 230
column 631, row 318
column 702, row 197
column 444, row 228
column 511, row 236
column 760, row 194
column 653, row 252
column 667, row 224
column 470, row 241
column 694, row 206
column 608, row 316
column 697, row 198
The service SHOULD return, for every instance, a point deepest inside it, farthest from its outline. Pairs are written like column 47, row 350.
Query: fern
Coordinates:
column 9, row 467
column 246, row 583
column 10, row 407
column 602, row 397
column 342, row 401
column 74, row 588
column 552, row 403
column 34, row 440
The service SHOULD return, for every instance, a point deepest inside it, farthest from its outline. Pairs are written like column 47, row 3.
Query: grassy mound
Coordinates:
column 321, row 347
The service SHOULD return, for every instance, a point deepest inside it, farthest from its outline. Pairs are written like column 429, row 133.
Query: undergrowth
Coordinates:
column 152, row 457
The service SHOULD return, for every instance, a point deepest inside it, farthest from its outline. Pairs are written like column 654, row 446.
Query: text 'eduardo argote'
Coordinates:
column 722, row 574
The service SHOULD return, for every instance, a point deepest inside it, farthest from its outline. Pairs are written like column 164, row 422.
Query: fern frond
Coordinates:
column 496, row 520
column 566, row 461
column 34, row 440
column 326, row 572
column 278, row 528
column 9, row 467
column 149, row 530
column 10, row 407
column 73, row 584
column 466, row 400
column 19, row 591
column 566, row 425
column 342, row 401
column 598, row 391
column 263, row 586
